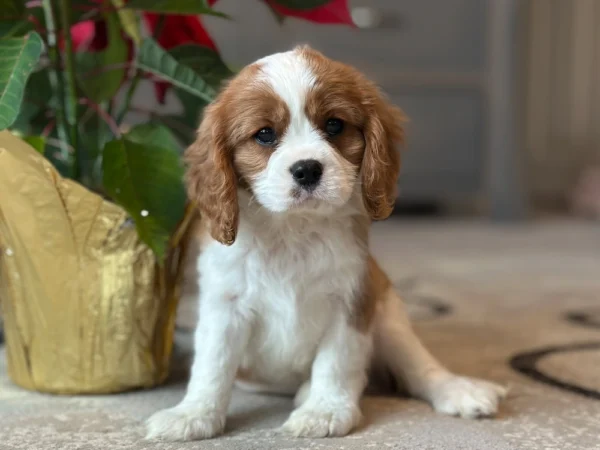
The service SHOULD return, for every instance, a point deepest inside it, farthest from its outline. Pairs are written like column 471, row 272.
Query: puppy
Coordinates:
column 293, row 160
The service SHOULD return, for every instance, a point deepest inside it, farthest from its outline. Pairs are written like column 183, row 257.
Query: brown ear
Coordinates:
column 381, row 162
column 210, row 177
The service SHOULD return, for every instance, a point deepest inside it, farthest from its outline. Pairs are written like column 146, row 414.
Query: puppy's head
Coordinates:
column 301, row 133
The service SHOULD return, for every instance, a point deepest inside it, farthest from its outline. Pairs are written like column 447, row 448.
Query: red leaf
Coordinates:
column 82, row 34
column 88, row 35
column 334, row 12
column 160, row 90
column 178, row 29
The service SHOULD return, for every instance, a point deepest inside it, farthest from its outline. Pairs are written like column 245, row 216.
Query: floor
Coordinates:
column 519, row 305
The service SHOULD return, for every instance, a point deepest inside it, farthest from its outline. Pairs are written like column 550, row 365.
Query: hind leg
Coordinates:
column 398, row 347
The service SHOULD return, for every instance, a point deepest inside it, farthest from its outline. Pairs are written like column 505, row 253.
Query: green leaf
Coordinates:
column 174, row 7
column 154, row 59
column 37, row 142
column 155, row 135
column 38, row 89
column 129, row 21
column 147, row 181
column 204, row 61
column 28, row 113
column 12, row 9
column 94, row 133
column 36, row 100
column 12, row 28
column 192, row 107
column 18, row 57
column 185, row 125
column 182, row 132
column 301, row 4
column 100, row 74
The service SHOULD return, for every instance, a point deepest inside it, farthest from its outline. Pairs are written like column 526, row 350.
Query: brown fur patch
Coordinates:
column 375, row 286
column 225, row 155
column 210, row 178
column 336, row 96
column 343, row 92
column 263, row 108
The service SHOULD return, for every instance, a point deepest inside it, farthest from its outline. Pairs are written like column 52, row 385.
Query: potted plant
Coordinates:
column 93, row 212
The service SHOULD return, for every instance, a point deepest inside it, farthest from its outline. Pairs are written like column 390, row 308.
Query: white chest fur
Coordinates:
column 288, row 278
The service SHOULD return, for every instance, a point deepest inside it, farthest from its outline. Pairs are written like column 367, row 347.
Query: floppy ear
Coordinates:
column 210, row 177
column 383, row 133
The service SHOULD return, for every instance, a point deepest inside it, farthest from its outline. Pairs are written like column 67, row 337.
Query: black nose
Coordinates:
column 307, row 172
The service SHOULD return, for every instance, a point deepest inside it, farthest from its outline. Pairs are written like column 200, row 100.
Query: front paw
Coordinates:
column 469, row 398
column 184, row 423
column 323, row 420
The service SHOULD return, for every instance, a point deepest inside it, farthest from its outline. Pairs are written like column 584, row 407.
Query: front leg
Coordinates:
column 220, row 339
column 338, row 378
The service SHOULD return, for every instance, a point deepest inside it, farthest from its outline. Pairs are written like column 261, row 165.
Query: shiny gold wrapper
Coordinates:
column 86, row 307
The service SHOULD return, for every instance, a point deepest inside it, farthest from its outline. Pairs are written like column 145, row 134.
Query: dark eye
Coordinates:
column 266, row 136
column 334, row 127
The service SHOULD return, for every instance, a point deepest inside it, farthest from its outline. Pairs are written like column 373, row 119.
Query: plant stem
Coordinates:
column 71, row 100
column 48, row 128
column 55, row 79
column 114, row 128
column 135, row 80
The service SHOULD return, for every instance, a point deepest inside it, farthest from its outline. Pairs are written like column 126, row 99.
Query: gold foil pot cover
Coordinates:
column 86, row 307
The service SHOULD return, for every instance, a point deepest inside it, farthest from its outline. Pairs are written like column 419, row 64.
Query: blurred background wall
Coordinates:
column 562, row 95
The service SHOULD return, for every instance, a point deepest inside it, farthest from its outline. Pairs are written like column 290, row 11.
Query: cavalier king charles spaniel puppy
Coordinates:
column 294, row 159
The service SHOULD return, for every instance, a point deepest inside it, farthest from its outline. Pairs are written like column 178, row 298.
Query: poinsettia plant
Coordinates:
column 70, row 68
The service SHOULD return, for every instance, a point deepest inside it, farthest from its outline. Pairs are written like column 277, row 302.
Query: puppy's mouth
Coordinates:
column 302, row 197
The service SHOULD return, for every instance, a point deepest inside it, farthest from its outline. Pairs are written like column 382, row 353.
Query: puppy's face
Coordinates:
column 300, row 132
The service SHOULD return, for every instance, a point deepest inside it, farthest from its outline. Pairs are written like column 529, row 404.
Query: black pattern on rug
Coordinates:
column 590, row 318
column 421, row 306
column 526, row 364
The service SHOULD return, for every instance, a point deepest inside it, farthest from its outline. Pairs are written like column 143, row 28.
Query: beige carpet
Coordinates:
column 482, row 296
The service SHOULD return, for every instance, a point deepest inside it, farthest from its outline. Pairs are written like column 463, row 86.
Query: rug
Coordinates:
column 519, row 305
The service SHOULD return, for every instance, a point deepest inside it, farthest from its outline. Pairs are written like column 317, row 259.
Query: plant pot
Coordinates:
column 86, row 307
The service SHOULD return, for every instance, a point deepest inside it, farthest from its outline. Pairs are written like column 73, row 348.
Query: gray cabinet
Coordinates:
column 443, row 155
column 433, row 59
column 409, row 35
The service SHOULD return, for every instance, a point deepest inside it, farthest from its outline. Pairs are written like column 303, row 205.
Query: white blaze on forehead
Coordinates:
column 291, row 78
